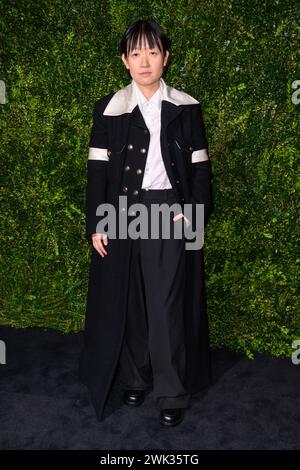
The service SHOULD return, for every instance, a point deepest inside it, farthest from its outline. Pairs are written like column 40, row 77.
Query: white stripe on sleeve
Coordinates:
column 199, row 156
column 97, row 154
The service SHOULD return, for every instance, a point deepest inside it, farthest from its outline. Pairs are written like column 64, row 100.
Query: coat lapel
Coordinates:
column 124, row 101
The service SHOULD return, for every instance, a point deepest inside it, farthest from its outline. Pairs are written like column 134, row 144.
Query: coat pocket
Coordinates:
column 184, row 146
column 116, row 150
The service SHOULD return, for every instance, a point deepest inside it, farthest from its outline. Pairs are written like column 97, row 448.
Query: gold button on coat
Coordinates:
column 125, row 189
column 130, row 146
column 143, row 150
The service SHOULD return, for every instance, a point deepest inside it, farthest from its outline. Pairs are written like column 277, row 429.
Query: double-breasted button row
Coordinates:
column 125, row 190
column 139, row 171
column 177, row 180
column 142, row 150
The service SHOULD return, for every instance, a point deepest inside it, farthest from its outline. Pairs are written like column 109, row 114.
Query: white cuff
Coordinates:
column 199, row 156
column 98, row 154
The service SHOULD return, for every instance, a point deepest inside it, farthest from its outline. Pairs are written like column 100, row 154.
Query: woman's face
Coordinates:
column 145, row 65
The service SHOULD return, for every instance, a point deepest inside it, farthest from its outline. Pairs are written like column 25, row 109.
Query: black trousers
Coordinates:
column 153, row 351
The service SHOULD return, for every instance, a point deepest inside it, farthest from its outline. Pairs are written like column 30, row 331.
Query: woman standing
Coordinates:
column 146, row 307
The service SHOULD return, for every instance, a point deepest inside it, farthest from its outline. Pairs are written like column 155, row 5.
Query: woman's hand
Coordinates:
column 99, row 240
column 179, row 216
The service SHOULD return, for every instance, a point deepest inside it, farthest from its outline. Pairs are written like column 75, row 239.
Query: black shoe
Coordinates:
column 134, row 397
column 172, row 416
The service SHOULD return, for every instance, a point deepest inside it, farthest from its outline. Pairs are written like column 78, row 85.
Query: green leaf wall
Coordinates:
column 240, row 59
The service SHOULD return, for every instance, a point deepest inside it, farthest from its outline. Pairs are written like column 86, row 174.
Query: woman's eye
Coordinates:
column 136, row 53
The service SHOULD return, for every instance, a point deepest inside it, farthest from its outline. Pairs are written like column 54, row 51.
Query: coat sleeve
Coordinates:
column 201, row 173
column 96, row 169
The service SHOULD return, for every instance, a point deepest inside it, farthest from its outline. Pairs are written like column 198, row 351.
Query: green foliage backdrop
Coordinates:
column 239, row 59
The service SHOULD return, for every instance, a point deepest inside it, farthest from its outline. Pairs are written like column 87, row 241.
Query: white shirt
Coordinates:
column 155, row 176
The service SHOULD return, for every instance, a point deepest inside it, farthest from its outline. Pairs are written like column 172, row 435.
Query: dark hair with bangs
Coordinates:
column 153, row 33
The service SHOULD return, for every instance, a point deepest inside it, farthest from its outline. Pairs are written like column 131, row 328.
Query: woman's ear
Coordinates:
column 166, row 58
column 124, row 61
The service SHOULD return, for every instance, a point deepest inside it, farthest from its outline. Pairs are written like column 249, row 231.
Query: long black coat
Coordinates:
column 117, row 155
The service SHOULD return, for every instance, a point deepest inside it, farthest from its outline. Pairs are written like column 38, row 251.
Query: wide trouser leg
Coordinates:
column 135, row 363
column 155, row 333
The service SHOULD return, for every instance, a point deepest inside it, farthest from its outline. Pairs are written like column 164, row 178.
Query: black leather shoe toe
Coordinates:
column 171, row 417
column 134, row 397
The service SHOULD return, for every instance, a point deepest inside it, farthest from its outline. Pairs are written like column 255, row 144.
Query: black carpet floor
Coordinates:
column 251, row 404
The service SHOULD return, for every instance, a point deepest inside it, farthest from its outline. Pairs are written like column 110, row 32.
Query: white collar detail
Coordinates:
column 125, row 99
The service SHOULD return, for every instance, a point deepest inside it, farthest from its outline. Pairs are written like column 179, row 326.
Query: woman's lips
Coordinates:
column 145, row 73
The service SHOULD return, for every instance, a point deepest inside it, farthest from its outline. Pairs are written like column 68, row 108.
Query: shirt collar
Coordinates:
column 155, row 99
